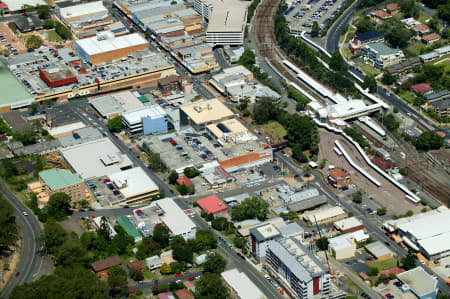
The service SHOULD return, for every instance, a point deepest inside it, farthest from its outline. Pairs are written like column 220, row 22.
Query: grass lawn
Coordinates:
column 347, row 52
column 274, row 129
column 407, row 95
column 423, row 17
column 444, row 61
column 383, row 265
column 414, row 49
column 53, row 36
column 368, row 69
column 148, row 274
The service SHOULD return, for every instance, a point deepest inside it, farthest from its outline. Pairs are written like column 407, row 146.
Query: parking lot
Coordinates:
column 9, row 41
column 391, row 291
column 303, row 13
column 48, row 58
column 182, row 150
column 103, row 191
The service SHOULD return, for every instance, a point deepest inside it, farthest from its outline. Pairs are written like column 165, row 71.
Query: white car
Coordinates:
column 25, row 213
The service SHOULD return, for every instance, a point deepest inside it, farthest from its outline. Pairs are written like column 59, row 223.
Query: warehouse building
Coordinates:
column 344, row 246
column 240, row 286
column 134, row 185
column 148, row 120
column 349, row 225
column 325, row 216
column 230, row 131
column 105, row 47
column 174, row 218
column 379, row 251
column 76, row 12
column 420, row 283
column 57, row 76
column 112, row 105
column 427, row 233
column 226, row 20
column 96, row 158
column 300, row 273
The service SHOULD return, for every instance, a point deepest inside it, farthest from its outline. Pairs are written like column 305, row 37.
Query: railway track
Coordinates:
column 263, row 29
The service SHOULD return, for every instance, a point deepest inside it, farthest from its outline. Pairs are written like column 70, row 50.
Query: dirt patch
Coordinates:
column 72, row 225
column 6, row 273
column 388, row 195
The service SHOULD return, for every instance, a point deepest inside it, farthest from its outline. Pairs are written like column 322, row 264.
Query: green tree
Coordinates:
column 365, row 25
column 136, row 275
column 381, row 211
column 165, row 269
column 117, row 281
column 373, row 271
column 247, row 58
column 9, row 233
column 26, row 137
column 429, row 140
column 322, row 243
column 210, row 285
column 215, row 263
column 58, row 205
column 409, row 262
column 4, row 128
column 115, row 124
column 181, row 252
column 251, row 208
column 161, row 235
column 397, row 34
column 52, row 237
column 220, row 223
column 264, row 110
column 49, row 24
column 409, row 8
column 395, row 110
column 33, row 42
column 70, row 253
column 155, row 162
column 337, row 63
column 388, row 79
column 240, row 242
column 75, row 280
column 205, row 240
column 173, row 177
column 191, row 172
column 315, row 30
column 370, row 83
column 62, row 31
column 357, row 198
column 121, row 241
column 43, row 11
column 390, row 122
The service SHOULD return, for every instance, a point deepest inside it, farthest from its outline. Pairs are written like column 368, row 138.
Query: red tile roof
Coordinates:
column 212, row 204
column 420, row 28
column 136, row 265
column 390, row 271
column 337, row 173
column 3, row 5
column 184, row 180
column 381, row 14
column 106, row 263
column 383, row 164
column 422, row 87
column 244, row 159
column 431, row 36
column 392, row 6
column 184, row 294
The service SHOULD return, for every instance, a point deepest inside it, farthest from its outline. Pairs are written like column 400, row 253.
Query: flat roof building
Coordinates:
column 419, row 282
column 76, row 12
column 343, row 246
column 241, row 286
column 148, row 120
column 134, row 185
column 105, row 47
column 115, row 104
column 260, row 237
column 129, row 228
column 326, row 216
column 212, row 205
column 349, row 225
column 379, row 250
column 174, row 218
column 200, row 114
column 95, row 158
column 231, row 130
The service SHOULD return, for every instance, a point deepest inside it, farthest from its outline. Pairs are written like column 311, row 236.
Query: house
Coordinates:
column 423, row 88
column 184, row 180
column 28, row 23
column 3, row 8
column 401, row 68
column 136, row 266
column 381, row 56
column 439, row 102
column 392, row 8
column 184, row 294
column 430, row 38
column 154, row 262
column 167, row 295
column 383, row 164
column 379, row 16
column 101, row 267
column 420, row 29
column 339, row 178
column 365, row 38
column 212, row 205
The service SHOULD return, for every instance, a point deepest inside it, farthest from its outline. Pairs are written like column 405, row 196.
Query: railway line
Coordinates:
column 263, row 31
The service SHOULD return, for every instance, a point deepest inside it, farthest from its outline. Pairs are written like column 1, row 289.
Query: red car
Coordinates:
column 191, row 278
column 132, row 292
column 17, row 274
column 179, row 275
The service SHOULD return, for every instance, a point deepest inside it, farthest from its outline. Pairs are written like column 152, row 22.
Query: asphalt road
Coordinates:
column 334, row 33
column 30, row 261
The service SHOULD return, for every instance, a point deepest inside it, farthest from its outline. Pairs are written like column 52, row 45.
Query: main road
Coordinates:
column 30, row 260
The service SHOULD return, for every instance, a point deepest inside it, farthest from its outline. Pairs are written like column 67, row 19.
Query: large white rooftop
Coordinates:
column 174, row 217
column 242, row 285
column 420, row 282
column 347, row 223
column 86, row 158
column 227, row 16
column 104, row 42
column 83, row 9
column 133, row 182
column 136, row 116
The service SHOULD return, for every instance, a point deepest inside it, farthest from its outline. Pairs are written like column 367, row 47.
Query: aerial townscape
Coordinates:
column 225, row 149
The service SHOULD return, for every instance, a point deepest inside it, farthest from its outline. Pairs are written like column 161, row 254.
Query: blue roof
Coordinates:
column 369, row 35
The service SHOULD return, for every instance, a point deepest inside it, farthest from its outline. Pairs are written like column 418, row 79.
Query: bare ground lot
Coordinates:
column 387, row 195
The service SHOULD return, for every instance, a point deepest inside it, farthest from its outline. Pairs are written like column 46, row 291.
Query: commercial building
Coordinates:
column 247, row 160
column 129, row 228
column 349, row 225
column 212, row 205
column 62, row 180
column 112, row 105
column 201, row 114
column 72, row 13
column 379, row 251
column 439, row 102
column 56, row 76
column 148, row 120
column 241, row 286
column 226, row 20
column 105, row 47
column 260, row 237
column 235, row 76
column 343, row 246
column 380, row 56
column 427, row 233
column 325, row 216
column 9, row 6
column 101, row 267
column 134, row 185
column 96, row 158
column 420, row 283
column 365, row 38
column 28, row 23
column 230, row 131
column 299, row 272
column 339, row 178
column 174, row 218
column 154, row 262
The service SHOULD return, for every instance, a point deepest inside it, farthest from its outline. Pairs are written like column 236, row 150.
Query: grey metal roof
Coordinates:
column 436, row 95
column 23, row 58
column 382, row 49
column 38, row 148
column 85, row 135
column 378, row 249
column 238, row 198
column 308, row 203
column 257, row 234
column 291, row 229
